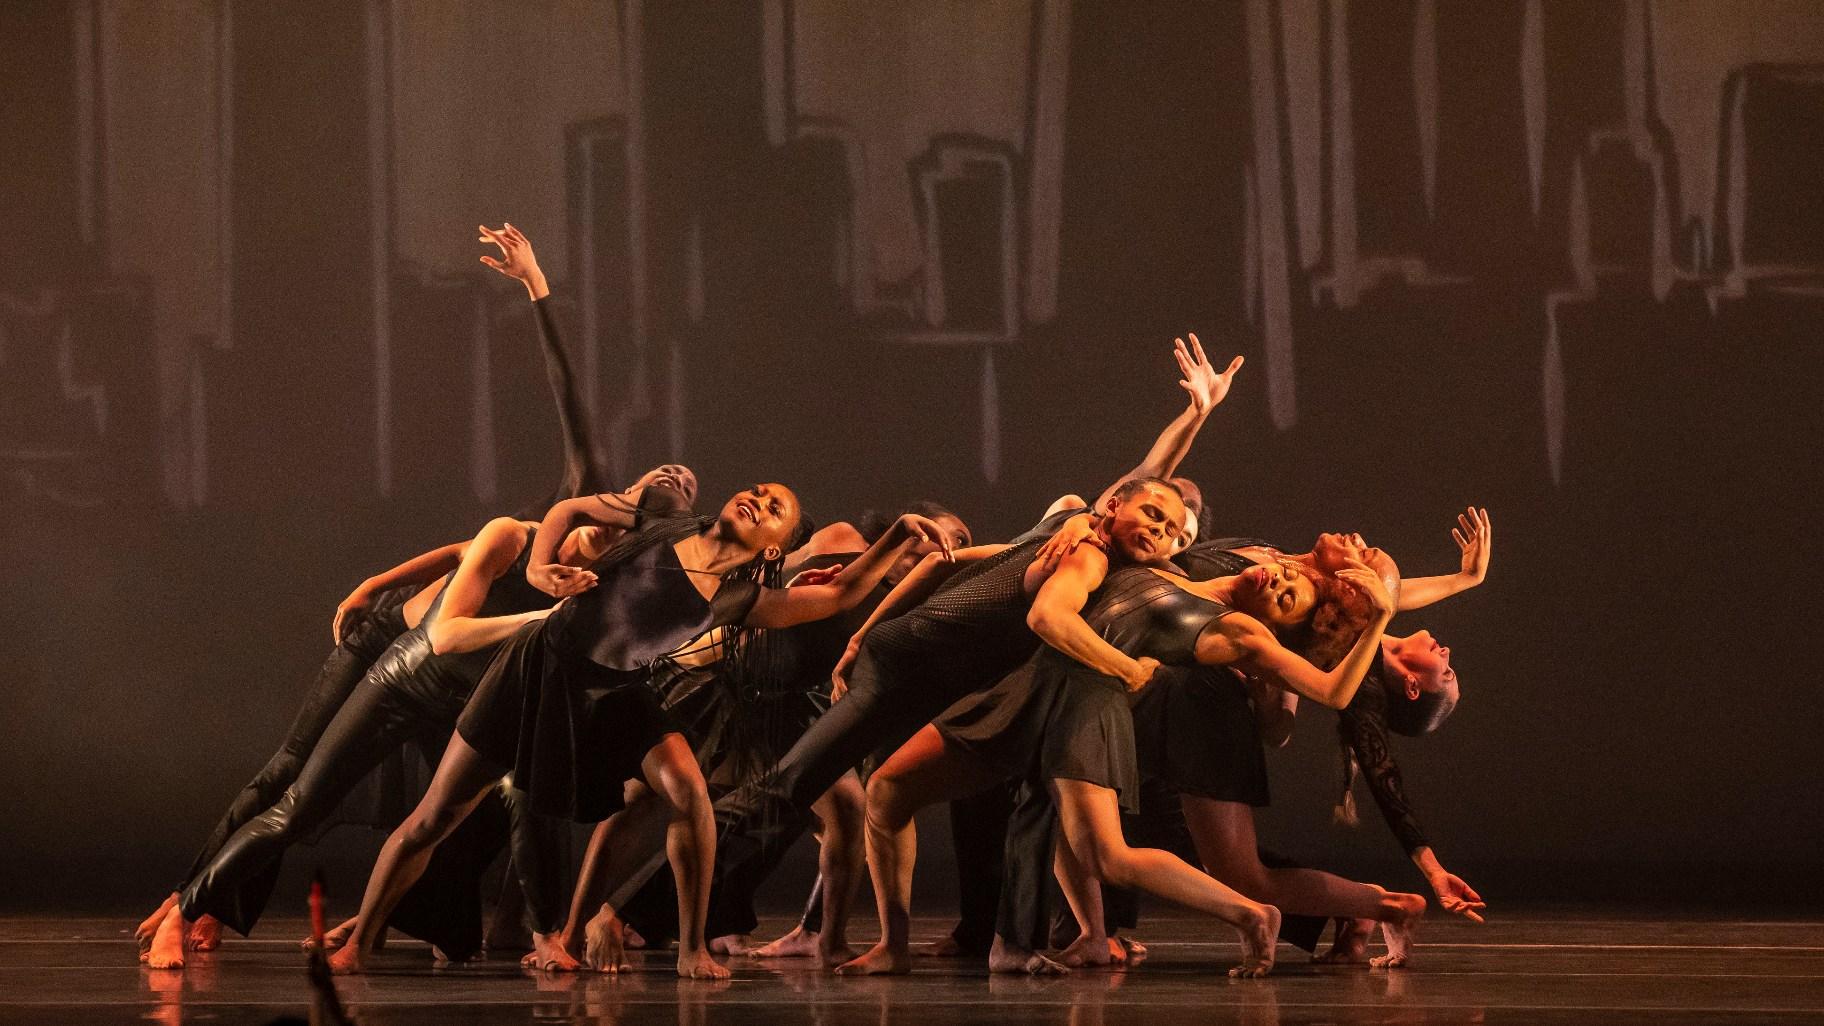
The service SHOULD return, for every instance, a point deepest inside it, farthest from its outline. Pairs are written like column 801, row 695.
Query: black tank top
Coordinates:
column 644, row 604
column 1144, row 614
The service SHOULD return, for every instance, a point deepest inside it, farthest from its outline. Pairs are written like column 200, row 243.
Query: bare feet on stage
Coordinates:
column 1006, row 958
column 149, row 926
column 1350, row 945
column 879, row 960
column 1398, row 933
column 206, row 934
column 1088, row 952
column 332, row 939
column 1258, row 941
column 732, row 944
column 1132, row 951
column 944, row 947
column 166, row 950
column 800, row 943
column 700, row 965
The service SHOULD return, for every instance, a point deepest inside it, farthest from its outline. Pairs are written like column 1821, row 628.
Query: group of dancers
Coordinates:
column 705, row 688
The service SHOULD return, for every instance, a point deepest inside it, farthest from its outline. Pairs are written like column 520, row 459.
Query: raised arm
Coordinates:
column 1363, row 729
column 1242, row 641
column 415, row 572
column 1208, row 389
column 783, row 607
column 491, row 554
column 1475, row 540
column 542, row 568
column 1056, row 617
column 583, row 472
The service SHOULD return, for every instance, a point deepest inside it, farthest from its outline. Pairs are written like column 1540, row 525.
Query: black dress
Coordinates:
column 567, row 701
column 1058, row 719
column 748, row 725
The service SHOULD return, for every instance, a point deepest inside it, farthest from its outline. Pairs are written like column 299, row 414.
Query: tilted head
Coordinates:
column 1193, row 510
column 1144, row 518
column 675, row 476
column 1422, row 688
column 1282, row 595
column 954, row 529
column 1333, row 551
column 765, row 518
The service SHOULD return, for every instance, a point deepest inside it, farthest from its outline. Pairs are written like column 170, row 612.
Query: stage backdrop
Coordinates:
column 1562, row 258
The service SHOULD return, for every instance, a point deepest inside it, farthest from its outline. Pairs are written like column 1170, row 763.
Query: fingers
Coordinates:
column 1234, row 365
column 1458, row 537
column 491, row 262
column 1197, row 349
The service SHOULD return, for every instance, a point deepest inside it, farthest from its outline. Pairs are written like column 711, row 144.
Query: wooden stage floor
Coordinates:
column 1531, row 968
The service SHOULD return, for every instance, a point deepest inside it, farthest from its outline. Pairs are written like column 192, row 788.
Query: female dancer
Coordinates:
column 405, row 694
column 970, row 634
column 565, row 703
column 1200, row 741
column 1062, row 713
column 740, row 732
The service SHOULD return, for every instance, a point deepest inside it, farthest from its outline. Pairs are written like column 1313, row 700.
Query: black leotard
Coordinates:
column 567, row 703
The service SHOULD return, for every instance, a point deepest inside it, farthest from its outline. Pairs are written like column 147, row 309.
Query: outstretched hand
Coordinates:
column 1207, row 387
column 1475, row 539
column 516, row 261
column 1457, row 897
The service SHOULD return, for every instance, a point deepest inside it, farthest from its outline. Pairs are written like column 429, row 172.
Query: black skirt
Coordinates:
column 573, row 732
column 1055, row 719
column 1196, row 731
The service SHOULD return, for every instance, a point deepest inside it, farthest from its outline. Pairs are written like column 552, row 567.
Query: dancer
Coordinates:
column 739, row 733
column 935, row 639
column 1199, row 740
column 412, row 691
column 565, row 703
column 1065, row 716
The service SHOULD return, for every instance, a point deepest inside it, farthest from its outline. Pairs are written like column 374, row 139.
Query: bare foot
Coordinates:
column 548, row 955
column 605, row 943
column 833, row 954
column 731, row 944
column 944, row 947
column 1350, row 945
column 1398, row 932
column 1258, row 941
column 206, row 934
column 800, row 943
column 1087, row 952
column 332, row 939
column 1133, row 951
column 167, row 948
column 348, row 960
column 880, row 960
column 1005, row 958
column 149, row 926
column 699, row 965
